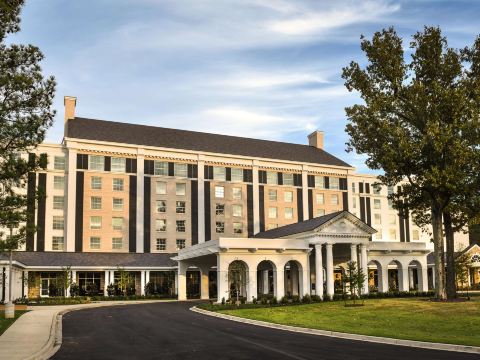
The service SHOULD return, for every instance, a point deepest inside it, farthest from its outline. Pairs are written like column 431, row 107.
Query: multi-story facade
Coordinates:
column 131, row 196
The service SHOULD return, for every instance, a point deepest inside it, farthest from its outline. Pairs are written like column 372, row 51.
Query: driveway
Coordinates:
column 171, row 331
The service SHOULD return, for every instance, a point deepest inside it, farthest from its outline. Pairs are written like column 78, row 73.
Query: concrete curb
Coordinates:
column 373, row 339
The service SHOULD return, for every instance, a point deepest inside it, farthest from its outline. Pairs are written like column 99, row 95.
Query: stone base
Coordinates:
column 9, row 310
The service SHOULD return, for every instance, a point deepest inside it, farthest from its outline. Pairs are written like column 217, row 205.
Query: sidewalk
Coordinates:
column 37, row 334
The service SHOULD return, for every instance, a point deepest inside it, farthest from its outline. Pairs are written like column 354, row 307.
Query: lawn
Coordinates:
column 412, row 318
column 5, row 323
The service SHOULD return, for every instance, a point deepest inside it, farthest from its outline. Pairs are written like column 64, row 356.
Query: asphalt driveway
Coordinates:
column 171, row 331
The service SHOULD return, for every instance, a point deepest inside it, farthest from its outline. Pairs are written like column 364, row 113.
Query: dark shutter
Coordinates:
column 250, row 227
column 311, row 181
column 247, row 175
column 171, row 169
column 208, row 172
column 300, row 205
column 369, row 212
column 194, row 211
column 310, row 204
column 82, row 161
column 362, row 209
column 262, row 176
column 132, row 214
column 261, row 204
column 147, row 198
column 79, row 211
column 228, row 174
column 345, row 201
column 360, row 187
column 131, row 165
column 367, row 188
column 107, row 164
column 42, row 188
column 31, row 191
column 208, row 220
column 343, row 184
column 148, row 167
column 192, row 170
column 280, row 178
column 297, row 179
column 407, row 225
column 326, row 182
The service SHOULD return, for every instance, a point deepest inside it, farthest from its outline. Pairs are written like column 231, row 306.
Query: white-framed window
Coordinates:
column 237, row 175
column 118, row 164
column 377, row 189
column 95, row 222
column 160, row 168
column 390, row 190
column 334, row 199
column 237, row 210
column 334, row 183
column 319, row 199
column 96, row 203
column 117, row 223
column 161, row 244
column 272, row 212
column 180, row 225
column 180, row 207
column 58, row 223
column 57, row 243
column 415, row 234
column 180, row 170
column 58, row 202
column 219, row 227
column 288, row 196
column 180, row 244
column 353, row 188
column 377, row 204
column 320, row 212
column 390, row 204
column 96, row 162
column 59, row 162
column 392, row 234
column 117, row 204
column 95, row 243
column 117, row 243
column 180, row 189
column 118, row 184
column 288, row 213
column 354, row 202
column 319, row 182
column 161, row 206
column 272, row 226
column 59, row 182
column 272, row 195
column 161, row 224
column 392, row 219
column 219, row 192
column 237, row 228
column 219, row 209
column 219, row 173
column 161, row 188
column 237, row 193
column 377, row 219
column 96, row 183
column 288, row 179
column 272, row 178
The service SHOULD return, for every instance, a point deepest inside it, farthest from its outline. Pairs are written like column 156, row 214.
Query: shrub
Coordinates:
column 264, row 300
column 274, row 301
column 284, row 300
column 295, row 299
column 316, row 298
column 254, row 300
column 149, row 288
column 223, row 301
column 307, row 299
column 74, row 290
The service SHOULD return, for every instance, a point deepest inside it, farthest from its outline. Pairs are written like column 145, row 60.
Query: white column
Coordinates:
column 403, row 278
column 201, row 200
column 25, row 283
column 279, row 283
column 252, row 285
column 142, row 282
column 182, row 280
column 140, row 200
column 72, row 280
column 265, row 281
column 204, row 289
column 294, row 275
column 256, row 199
column 70, row 192
column 147, row 276
column 383, row 278
column 222, row 280
column 305, row 284
column 353, row 254
column 106, row 282
column 305, row 193
column 318, row 271
column 364, row 265
column 329, row 270
column 423, row 277
column 112, row 277
column 7, row 281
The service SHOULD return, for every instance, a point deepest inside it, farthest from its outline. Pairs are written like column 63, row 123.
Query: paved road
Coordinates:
column 171, row 331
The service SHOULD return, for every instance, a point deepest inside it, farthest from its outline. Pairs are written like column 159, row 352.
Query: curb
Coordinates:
column 346, row 336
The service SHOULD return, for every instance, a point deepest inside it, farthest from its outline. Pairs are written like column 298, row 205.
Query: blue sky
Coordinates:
column 265, row 69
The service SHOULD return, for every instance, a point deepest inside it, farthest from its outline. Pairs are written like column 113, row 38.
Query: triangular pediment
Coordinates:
column 345, row 224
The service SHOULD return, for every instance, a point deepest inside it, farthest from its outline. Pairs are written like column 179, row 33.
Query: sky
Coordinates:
column 268, row 69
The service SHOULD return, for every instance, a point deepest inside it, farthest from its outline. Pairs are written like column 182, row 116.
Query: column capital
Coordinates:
column 329, row 244
column 363, row 246
column 353, row 246
column 318, row 246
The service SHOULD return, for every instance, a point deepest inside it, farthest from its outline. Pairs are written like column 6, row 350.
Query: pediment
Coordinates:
column 346, row 224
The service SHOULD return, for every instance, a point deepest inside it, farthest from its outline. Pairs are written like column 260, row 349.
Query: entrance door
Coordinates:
column 212, row 285
column 193, row 284
column 44, row 287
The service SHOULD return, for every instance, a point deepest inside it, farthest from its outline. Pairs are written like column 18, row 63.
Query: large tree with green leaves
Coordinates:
column 418, row 122
column 25, row 114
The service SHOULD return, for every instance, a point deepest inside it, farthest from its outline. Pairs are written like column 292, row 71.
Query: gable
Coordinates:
column 346, row 224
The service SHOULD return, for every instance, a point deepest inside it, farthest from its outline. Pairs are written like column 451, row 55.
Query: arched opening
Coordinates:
column 374, row 276
column 293, row 278
column 414, row 275
column 237, row 279
column 394, row 274
column 266, row 272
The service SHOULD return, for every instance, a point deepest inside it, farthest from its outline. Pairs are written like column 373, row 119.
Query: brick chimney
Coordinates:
column 315, row 139
column 69, row 102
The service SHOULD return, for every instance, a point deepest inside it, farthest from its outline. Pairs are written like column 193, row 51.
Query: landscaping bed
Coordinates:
column 58, row 300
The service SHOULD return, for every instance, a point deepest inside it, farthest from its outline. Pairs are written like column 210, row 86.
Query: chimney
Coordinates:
column 69, row 102
column 315, row 139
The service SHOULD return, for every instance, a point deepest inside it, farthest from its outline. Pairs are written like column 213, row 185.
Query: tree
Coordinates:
column 462, row 266
column 418, row 123
column 236, row 277
column 124, row 281
column 354, row 279
column 65, row 279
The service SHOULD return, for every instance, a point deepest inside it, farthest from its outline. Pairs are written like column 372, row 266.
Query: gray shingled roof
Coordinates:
column 100, row 130
column 91, row 259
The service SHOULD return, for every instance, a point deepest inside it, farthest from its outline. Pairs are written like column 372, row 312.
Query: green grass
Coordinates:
column 5, row 323
column 412, row 319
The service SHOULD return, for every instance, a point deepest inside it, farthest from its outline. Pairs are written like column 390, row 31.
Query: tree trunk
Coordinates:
column 437, row 232
column 451, row 285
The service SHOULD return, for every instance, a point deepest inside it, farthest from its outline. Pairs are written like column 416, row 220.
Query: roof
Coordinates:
column 431, row 256
column 54, row 259
column 117, row 132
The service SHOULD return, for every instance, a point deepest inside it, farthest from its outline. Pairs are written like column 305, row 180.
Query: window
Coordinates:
column 390, row 204
column 117, row 243
column 272, row 195
column 272, row 212
column 288, row 179
column 180, row 170
column 288, row 196
column 180, row 225
column 288, row 213
column 180, row 207
column 354, row 202
column 334, row 183
column 320, row 212
column 95, row 222
column 117, row 223
column 378, row 234
column 237, row 175
column 59, row 162
column 161, row 245
column 219, row 192
column 376, row 189
column 390, row 190
column 180, row 244
column 161, row 188
column 272, row 226
column 94, row 243
column 180, row 189
column 334, row 199
column 117, row 184
column 96, row 162
column 237, row 193
column 353, row 188
column 118, row 164
column 57, row 243
column 161, row 206
column 319, row 182
column 377, row 204
column 160, row 168
column 219, row 227
column 161, row 225
column 415, row 234
column 58, row 202
column 58, row 223
column 117, row 204
column 96, row 183
column 393, row 234
column 320, row 199
column 95, row 203
column 219, row 173
column 272, row 178
column 237, row 228
column 219, row 209
column 392, row 219
column 237, row 210
column 58, row 182
column 377, row 219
